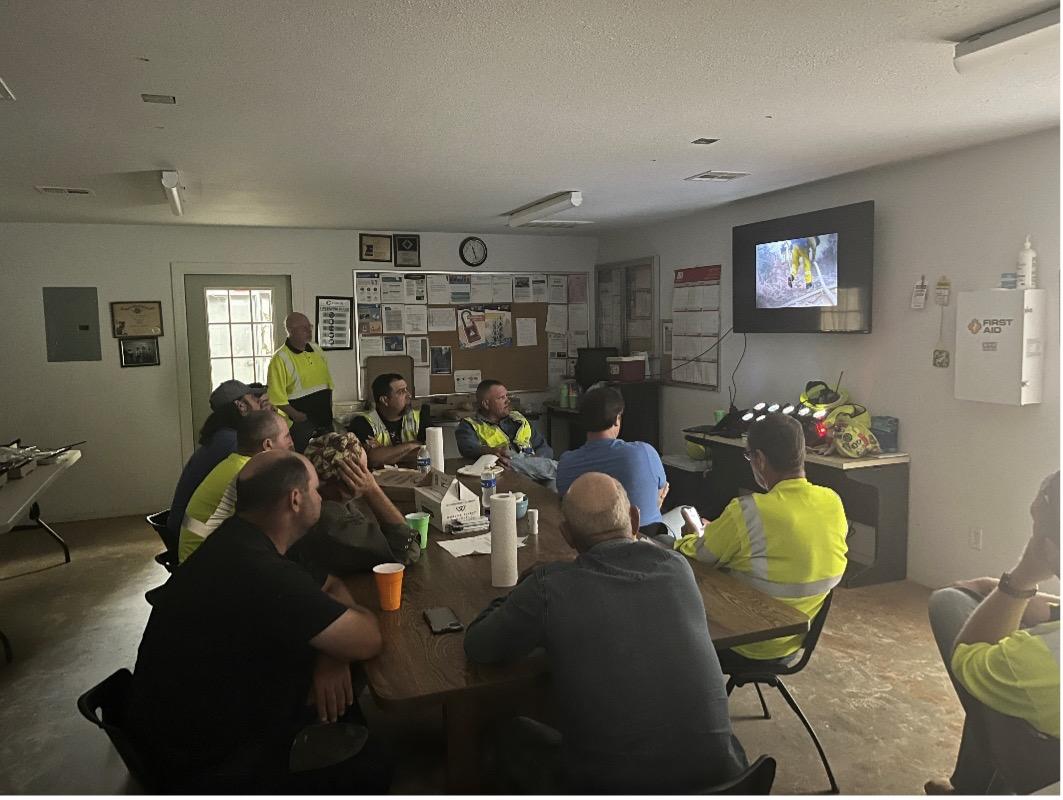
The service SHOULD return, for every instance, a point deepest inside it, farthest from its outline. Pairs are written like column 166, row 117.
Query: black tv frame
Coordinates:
column 855, row 226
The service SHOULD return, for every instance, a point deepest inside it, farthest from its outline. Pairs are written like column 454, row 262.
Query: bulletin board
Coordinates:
column 520, row 368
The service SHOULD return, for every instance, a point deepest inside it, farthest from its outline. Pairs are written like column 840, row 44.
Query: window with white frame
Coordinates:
column 240, row 328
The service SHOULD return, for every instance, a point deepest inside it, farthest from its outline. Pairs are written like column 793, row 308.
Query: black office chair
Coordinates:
column 770, row 673
column 104, row 705
column 168, row 558
column 8, row 652
column 1025, row 759
column 757, row 779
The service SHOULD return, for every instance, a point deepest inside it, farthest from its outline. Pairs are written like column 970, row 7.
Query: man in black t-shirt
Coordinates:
column 238, row 638
column 392, row 430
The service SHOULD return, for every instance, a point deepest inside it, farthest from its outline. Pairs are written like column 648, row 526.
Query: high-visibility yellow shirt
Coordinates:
column 1017, row 676
column 213, row 502
column 788, row 543
column 292, row 375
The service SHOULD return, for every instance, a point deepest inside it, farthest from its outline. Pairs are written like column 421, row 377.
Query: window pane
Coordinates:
column 217, row 305
column 264, row 340
column 240, row 305
column 221, row 369
column 244, row 369
column 262, row 305
column 219, row 341
column 261, row 369
column 241, row 335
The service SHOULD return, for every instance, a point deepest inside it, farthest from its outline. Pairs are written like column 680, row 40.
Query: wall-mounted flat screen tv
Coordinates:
column 809, row 273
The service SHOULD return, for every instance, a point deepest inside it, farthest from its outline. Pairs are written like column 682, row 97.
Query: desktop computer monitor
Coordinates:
column 591, row 365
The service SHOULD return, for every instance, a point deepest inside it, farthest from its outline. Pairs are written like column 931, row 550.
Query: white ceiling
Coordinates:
column 443, row 115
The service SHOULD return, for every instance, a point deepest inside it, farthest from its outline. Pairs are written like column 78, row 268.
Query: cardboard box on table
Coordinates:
column 447, row 499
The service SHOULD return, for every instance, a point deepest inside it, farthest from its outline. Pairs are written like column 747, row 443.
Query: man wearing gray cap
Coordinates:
column 217, row 440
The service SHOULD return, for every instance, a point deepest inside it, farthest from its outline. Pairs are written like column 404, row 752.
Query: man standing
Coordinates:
column 217, row 439
column 393, row 430
column 611, row 621
column 496, row 428
column 635, row 464
column 299, row 381
column 214, row 499
column 238, row 639
column 999, row 640
column 789, row 543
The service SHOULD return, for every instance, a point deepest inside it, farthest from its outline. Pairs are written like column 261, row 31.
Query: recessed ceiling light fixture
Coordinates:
column 171, row 183
column 5, row 93
column 705, row 141
column 1015, row 38
column 163, row 99
column 554, row 204
column 717, row 175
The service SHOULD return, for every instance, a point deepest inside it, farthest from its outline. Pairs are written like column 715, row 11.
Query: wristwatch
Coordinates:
column 1020, row 594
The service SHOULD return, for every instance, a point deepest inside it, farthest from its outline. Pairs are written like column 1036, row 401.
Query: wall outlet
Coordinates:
column 974, row 538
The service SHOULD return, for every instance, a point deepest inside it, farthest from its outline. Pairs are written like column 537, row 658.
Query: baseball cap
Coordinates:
column 231, row 391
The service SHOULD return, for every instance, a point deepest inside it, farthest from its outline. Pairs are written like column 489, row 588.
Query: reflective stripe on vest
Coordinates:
column 1048, row 633
column 411, row 425
column 298, row 390
column 758, row 560
column 493, row 436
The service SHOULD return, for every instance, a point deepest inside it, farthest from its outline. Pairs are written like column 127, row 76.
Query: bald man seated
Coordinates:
column 241, row 641
column 636, row 678
column 300, row 383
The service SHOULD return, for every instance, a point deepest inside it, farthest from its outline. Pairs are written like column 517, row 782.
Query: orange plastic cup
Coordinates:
column 389, row 585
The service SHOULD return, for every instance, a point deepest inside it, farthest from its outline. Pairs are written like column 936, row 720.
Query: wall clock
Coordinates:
column 473, row 251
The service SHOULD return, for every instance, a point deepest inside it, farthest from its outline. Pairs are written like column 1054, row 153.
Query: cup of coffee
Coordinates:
column 389, row 585
column 418, row 521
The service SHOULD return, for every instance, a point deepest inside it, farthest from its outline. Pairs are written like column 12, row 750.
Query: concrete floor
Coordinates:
column 875, row 689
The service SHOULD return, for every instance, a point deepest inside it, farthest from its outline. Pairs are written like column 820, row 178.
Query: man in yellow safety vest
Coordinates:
column 999, row 640
column 789, row 542
column 496, row 428
column 299, row 381
column 392, row 430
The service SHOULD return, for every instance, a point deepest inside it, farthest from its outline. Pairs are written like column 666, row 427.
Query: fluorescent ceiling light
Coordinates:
column 545, row 208
column 171, row 183
column 1007, row 41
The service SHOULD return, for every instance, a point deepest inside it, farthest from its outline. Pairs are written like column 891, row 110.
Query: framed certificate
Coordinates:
column 134, row 318
column 374, row 247
column 407, row 250
column 334, row 322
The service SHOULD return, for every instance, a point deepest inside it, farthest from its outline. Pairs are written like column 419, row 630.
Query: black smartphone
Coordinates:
column 442, row 620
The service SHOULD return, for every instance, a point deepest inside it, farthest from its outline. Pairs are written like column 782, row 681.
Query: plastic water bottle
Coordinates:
column 487, row 488
column 424, row 460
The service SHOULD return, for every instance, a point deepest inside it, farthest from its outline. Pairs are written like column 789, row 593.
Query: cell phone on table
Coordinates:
column 442, row 620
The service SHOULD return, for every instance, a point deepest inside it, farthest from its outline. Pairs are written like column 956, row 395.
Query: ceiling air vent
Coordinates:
column 716, row 175
column 705, row 141
column 63, row 190
column 165, row 99
column 557, row 223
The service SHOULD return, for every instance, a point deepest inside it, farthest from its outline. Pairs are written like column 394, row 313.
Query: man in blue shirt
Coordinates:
column 635, row 465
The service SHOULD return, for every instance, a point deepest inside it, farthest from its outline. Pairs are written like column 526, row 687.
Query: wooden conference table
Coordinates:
column 417, row 667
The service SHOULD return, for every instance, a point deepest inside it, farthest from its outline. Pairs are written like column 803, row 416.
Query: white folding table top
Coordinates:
column 18, row 496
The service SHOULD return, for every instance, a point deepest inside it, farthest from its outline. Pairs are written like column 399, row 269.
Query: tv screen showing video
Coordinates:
column 798, row 273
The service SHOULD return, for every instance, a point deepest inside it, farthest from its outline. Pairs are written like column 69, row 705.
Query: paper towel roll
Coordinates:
column 434, row 440
column 504, row 539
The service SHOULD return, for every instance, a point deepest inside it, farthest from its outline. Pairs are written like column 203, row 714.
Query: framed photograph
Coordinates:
column 374, row 247
column 334, row 322
column 139, row 352
column 407, row 250
column 136, row 318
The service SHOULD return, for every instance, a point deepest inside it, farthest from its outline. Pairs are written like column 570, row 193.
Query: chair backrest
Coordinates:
column 158, row 521
column 1024, row 757
column 811, row 638
column 757, row 779
column 104, row 705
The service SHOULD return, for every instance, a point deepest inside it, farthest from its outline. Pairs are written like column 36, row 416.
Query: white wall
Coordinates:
column 963, row 214
column 131, row 416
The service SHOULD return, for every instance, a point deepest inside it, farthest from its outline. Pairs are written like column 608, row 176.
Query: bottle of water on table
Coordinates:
column 487, row 488
column 424, row 460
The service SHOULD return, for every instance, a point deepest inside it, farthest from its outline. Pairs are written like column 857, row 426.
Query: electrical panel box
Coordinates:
column 1000, row 346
